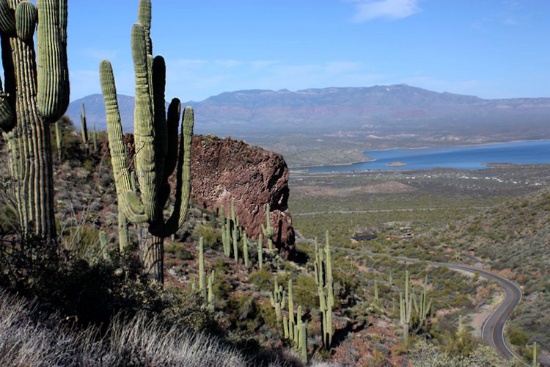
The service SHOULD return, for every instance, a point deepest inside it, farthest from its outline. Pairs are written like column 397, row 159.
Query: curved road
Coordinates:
column 492, row 331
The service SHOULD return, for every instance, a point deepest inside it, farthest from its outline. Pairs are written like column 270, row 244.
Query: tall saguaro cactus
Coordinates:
column 156, row 145
column 35, row 94
column 325, row 289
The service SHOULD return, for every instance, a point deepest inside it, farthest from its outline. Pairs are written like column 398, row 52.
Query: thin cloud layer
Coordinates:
column 387, row 9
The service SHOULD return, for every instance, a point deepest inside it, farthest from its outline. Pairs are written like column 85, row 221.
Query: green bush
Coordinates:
column 211, row 236
column 178, row 250
column 518, row 337
column 263, row 279
column 305, row 292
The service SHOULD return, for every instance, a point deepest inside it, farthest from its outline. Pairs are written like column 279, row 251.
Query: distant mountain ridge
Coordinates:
column 373, row 110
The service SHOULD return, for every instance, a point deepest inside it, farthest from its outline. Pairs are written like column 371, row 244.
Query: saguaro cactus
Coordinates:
column 35, row 94
column 59, row 141
column 325, row 289
column 268, row 230
column 277, row 298
column 156, row 146
column 202, row 271
column 84, row 128
column 405, row 309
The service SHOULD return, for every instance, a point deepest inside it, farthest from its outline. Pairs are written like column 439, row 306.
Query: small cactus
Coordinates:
column 277, row 298
column 59, row 140
column 260, row 252
column 202, row 272
column 84, row 128
column 245, row 250
column 268, row 230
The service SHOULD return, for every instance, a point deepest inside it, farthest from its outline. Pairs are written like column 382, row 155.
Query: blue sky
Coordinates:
column 487, row 48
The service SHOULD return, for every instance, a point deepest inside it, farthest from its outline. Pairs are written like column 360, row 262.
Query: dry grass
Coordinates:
column 25, row 340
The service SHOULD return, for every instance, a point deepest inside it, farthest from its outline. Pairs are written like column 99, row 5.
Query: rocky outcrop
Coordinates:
column 225, row 169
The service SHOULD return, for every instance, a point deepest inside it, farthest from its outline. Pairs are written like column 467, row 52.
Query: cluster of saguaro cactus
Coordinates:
column 233, row 236
column 294, row 328
column 405, row 309
column 206, row 284
column 277, row 298
column 231, row 233
column 421, row 305
column 35, row 95
column 156, row 146
column 325, row 289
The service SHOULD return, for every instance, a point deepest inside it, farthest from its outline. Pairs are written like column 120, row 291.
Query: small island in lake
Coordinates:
column 397, row 164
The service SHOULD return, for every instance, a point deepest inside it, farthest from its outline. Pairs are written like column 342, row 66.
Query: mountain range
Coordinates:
column 336, row 125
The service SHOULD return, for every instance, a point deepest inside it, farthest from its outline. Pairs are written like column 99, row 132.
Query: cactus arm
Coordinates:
column 58, row 140
column 172, row 124
column 53, row 73
column 183, row 186
column 84, row 126
column 144, row 18
column 125, row 194
column 7, row 20
column 26, row 17
column 170, row 151
column 144, row 132
column 158, row 83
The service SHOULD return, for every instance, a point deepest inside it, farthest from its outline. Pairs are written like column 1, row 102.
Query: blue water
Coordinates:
column 461, row 157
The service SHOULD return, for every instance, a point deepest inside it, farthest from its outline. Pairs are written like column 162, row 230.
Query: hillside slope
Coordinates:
column 514, row 239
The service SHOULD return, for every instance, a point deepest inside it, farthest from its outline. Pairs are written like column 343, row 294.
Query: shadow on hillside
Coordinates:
column 340, row 335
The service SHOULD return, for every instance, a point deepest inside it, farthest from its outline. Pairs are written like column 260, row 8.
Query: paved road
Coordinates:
column 492, row 331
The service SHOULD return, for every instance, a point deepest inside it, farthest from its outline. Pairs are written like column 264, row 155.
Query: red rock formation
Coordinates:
column 225, row 169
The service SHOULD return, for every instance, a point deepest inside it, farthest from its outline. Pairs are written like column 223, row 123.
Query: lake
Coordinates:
column 460, row 157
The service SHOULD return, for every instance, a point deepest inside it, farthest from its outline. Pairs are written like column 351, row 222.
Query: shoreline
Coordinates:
column 405, row 167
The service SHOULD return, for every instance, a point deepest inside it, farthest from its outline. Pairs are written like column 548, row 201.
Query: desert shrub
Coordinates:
column 178, row 250
column 263, row 279
column 244, row 311
column 518, row 337
column 305, row 291
column 220, row 265
column 89, row 291
column 423, row 354
column 267, row 313
column 187, row 307
column 210, row 235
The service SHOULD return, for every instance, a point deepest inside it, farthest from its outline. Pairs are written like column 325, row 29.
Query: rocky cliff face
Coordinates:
column 225, row 169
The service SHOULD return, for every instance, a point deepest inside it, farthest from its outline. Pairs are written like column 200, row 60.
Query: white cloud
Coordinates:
column 229, row 64
column 100, row 54
column 387, row 9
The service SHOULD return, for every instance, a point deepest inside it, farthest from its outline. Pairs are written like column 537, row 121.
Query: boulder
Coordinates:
column 224, row 170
